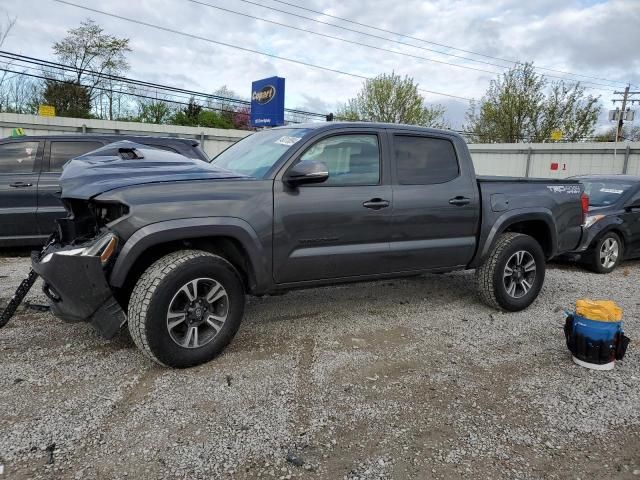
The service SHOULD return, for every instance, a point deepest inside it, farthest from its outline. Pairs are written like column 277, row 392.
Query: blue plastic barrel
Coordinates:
column 592, row 342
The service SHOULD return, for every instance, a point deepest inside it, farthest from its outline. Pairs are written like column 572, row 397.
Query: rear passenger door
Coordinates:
column 19, row 170
column 57, row 153
column 435, row 203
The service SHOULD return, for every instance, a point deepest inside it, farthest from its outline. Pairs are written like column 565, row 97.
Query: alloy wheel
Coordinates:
column 519, row 274
column 197, row 312
column 609, row 252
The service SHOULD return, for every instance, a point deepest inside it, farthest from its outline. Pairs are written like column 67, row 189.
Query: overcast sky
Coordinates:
column 588, row 37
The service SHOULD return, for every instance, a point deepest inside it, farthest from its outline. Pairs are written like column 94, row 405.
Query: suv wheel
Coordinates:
column 513, row 273
column 607, row 253
column 186, row 308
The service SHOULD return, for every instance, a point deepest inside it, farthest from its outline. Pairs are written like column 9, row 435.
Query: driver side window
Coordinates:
column 350, row 159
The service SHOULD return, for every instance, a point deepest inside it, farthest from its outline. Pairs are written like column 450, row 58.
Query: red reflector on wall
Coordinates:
column 554, row 166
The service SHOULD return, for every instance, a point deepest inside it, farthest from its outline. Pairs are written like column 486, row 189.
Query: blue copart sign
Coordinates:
column 267, row 102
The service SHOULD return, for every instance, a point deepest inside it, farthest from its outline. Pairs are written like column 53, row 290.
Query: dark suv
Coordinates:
column 29, row 171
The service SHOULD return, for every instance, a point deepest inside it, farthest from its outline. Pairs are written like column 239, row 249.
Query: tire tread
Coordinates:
column 485, row 273
column 144, row 290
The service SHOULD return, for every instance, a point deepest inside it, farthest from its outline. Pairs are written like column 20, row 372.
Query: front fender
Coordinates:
column 489, row 234
column 186, row 228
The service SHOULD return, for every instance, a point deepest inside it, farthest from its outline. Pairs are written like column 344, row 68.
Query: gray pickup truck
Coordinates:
column 171, row 245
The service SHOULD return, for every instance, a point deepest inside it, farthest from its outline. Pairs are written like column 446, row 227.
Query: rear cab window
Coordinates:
column 424, row 160
column 18, row 157
column 61, row 151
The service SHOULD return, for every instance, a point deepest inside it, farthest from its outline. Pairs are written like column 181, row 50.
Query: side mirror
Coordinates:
column 633, row 205
column 306, row 172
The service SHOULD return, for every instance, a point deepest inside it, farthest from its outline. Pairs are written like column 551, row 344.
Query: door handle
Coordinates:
column 20, row 185
column 459, row 201
column 376, row 203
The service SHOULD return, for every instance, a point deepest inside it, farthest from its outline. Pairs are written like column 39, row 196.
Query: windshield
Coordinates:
column 256, row 154
column 604, row 192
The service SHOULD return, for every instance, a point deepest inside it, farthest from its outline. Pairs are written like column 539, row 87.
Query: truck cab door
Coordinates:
column 19, row 171
column 338, row 228
column 435, row 203
column 56, row 154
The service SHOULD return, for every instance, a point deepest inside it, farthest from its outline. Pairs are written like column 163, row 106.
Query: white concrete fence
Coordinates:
column 551, row 160
column 556, row 160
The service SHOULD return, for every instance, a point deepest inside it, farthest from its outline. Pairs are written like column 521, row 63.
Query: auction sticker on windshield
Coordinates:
column 288, row 141
column 611, row 190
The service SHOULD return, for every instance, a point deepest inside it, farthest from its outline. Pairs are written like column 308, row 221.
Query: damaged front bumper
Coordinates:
column 75, row 283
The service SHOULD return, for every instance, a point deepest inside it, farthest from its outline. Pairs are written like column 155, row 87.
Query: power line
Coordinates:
column 166, row 100
column 141, row 83
column 245, row 49
column 133, row 94
column 205, row 4
column 250, row 2
column 436, row 43
column 57, row 80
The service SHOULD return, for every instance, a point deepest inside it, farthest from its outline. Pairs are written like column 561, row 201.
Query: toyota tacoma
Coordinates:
column 170, row 246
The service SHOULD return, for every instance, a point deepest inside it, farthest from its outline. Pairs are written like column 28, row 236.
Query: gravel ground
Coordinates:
column 394, row 379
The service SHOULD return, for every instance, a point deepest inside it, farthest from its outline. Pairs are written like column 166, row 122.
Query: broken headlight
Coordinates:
column 104, row 247
column 105, row 213
column 86, row 219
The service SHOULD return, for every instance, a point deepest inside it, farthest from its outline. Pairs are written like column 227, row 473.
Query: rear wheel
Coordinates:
column 607, row 253
column 186, row 308
column 513, row 273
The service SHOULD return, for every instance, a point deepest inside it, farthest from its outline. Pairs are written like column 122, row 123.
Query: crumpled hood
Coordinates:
column 126, row 163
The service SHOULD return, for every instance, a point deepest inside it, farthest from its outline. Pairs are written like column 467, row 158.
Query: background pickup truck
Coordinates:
column 178, row 243
column 29, row 170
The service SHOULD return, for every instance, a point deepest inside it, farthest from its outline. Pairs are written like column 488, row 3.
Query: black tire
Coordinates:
column 161, row 285
column 494, row 286
column 599, row 265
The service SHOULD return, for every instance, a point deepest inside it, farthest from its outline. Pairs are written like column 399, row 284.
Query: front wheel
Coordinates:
column 512, row 275
column 607, row 254
column 186, row 308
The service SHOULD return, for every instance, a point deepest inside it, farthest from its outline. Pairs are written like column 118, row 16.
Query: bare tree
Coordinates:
column 5, row 29
column 18, row 93
column 94, row 55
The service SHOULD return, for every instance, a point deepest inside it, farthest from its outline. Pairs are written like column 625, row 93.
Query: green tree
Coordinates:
column 629, row 134
column 68, row 98
column 521, row 106
column 211, row 119
column 392, row 99
column 94, row 54
column 188, row 116
column 154, row 111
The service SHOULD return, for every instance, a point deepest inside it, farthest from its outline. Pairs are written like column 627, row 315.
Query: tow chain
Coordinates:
column 23, row 288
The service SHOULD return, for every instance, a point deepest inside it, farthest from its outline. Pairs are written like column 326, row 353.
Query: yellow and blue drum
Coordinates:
column 594, row 334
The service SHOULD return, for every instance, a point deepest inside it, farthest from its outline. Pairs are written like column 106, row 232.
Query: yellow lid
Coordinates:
column 602, row 310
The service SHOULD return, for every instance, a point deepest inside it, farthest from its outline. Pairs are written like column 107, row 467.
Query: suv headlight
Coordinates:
column 104, row 247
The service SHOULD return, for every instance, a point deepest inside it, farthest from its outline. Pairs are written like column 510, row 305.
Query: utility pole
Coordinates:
column 623, row 113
